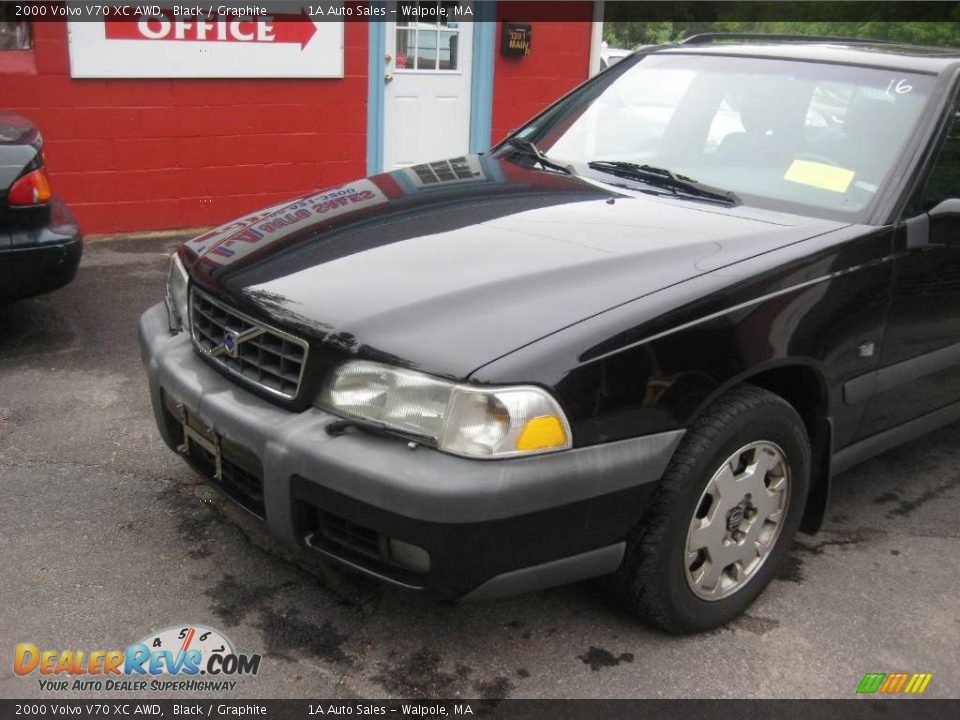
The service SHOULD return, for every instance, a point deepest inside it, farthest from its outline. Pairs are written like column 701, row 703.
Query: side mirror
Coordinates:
column 939, row 227
column 946, row 208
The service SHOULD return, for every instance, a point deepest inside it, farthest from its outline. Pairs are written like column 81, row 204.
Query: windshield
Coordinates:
column 795, row 136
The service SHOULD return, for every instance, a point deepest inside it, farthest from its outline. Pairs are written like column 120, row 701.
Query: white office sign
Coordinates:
column 162, row 45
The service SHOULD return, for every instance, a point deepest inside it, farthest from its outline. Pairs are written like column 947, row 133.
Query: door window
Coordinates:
column 427, row 39
column 944, row 180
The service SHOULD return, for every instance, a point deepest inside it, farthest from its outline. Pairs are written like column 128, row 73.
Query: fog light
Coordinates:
column 412, row 557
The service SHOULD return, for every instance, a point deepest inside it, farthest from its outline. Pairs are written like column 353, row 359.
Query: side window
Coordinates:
column 944, row 180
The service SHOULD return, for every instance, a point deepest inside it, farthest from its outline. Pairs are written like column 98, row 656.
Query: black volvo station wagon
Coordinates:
column 635, row 339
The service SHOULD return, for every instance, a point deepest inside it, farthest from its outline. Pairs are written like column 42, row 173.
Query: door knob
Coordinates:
column 388, row 77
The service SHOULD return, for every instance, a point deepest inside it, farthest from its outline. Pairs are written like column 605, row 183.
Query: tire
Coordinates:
column 666, row 576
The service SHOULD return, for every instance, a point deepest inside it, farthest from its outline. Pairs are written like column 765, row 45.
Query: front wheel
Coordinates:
column 725, row 514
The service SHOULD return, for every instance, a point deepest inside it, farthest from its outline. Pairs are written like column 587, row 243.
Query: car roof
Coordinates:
column 893, row 56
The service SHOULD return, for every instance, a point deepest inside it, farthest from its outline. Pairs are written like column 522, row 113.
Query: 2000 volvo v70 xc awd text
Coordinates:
column 566, row 358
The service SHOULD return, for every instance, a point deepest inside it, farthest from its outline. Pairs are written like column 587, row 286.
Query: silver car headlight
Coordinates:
column 470, row 420
column 176, row 299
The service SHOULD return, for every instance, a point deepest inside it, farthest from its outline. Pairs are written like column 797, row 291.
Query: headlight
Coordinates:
column 176, row 300
column 469, row 420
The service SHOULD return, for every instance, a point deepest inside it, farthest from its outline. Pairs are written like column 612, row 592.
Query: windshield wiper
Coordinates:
column 530, row 148
column 661, row 177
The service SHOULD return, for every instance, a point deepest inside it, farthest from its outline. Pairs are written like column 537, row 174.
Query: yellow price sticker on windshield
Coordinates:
column 820, row 175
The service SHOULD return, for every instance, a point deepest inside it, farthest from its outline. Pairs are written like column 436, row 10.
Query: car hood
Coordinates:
column 449, row 265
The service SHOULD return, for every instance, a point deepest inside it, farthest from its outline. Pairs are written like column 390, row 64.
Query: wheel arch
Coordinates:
column 801, row 383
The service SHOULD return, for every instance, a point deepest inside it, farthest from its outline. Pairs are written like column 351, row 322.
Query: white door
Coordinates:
column 427, row 93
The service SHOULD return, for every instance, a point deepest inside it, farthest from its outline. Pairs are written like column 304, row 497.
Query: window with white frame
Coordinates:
column 427, row 39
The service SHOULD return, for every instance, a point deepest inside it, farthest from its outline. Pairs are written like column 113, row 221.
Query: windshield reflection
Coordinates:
column 810, row 135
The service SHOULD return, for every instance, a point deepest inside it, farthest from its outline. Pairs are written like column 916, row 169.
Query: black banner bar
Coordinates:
column 853, row 709
column 556, row 11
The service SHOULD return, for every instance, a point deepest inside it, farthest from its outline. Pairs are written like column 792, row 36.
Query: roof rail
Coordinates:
column 709, row 38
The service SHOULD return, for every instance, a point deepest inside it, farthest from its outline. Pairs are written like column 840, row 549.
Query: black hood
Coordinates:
column 450, row 265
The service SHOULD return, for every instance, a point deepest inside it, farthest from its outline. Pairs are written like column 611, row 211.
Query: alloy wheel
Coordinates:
column 737, row 520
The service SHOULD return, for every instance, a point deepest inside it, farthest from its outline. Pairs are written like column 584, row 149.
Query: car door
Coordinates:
column 920, row 354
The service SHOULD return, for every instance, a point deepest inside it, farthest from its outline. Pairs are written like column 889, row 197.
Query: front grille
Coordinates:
column 263, row 356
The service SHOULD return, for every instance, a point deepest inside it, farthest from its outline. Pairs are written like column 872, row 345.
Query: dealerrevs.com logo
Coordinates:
column 180, row 658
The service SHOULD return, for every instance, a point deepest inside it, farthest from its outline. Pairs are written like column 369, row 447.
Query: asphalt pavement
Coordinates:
column 105, row 536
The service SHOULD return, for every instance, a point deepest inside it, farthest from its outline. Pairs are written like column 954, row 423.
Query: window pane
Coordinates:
column 448, row 50
column 427, row 50
column 406, row 49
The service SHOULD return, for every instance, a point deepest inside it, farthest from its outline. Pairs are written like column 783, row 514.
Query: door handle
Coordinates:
column 388, row 77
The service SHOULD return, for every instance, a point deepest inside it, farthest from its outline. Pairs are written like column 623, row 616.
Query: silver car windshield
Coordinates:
column 784, row 134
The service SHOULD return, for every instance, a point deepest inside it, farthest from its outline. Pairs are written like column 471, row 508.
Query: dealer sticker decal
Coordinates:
column 182, row 658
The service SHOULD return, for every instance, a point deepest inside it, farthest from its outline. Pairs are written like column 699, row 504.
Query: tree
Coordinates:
column 628, row 24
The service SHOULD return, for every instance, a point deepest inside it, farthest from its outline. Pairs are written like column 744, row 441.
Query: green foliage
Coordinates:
column 628, row 24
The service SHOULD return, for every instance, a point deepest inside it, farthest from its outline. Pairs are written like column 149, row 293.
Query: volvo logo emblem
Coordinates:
column 232, row 339
column 735, row 517
column 231, row 343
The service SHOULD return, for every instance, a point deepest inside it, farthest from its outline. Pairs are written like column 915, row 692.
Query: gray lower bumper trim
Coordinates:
column 594, row 563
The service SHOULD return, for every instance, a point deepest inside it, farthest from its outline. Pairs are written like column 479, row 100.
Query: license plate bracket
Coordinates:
column 190, row 435
column 197, row 433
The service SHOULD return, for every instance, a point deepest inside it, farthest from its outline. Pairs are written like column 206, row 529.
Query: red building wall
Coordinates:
column 132, row 155
column 558, row 61
column 155, row 154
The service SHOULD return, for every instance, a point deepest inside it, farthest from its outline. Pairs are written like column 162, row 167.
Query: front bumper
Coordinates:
column 490, row 527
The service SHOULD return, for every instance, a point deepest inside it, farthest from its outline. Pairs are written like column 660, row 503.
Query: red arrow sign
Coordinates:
column 271, row 29
column 294, row 28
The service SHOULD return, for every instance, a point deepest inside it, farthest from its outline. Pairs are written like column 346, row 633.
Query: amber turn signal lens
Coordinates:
column 32, row 189
column 541, row 433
